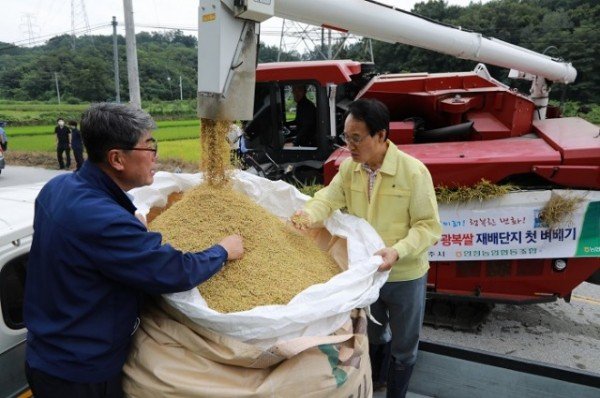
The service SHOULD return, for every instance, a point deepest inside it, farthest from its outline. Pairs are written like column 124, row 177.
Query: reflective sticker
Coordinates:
column 209, row 17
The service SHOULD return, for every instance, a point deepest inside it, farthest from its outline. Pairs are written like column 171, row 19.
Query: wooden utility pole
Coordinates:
column 116, row 61
column 135, row 98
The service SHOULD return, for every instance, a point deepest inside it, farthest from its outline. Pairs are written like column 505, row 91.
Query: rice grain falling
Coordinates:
column 215, row 151
column 278, row 262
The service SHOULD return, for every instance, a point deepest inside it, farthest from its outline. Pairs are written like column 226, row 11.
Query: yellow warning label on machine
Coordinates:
column 209, row 17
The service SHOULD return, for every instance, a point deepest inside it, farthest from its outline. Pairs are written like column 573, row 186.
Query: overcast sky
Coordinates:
column 38, row 20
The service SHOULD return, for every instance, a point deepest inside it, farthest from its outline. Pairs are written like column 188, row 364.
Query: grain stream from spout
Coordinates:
column 215, row 151
column 278, row 262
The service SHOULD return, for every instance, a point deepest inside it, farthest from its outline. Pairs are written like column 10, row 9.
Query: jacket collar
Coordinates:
column 389, row 165
column 100, row 180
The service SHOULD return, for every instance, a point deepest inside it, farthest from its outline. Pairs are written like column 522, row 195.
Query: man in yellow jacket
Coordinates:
column 394, row 193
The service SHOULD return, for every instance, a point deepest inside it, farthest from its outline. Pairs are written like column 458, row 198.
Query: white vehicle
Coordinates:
column 16, row 230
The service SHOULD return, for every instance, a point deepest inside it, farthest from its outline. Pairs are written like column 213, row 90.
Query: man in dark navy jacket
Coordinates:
column 92, row 259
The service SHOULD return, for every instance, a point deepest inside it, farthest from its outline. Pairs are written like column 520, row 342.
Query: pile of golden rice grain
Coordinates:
column 278, row 263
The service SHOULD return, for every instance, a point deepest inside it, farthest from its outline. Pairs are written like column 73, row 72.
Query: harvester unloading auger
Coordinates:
column 465, row 126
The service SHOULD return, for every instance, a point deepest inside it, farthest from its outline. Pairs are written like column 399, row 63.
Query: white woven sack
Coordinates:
column 317, row 311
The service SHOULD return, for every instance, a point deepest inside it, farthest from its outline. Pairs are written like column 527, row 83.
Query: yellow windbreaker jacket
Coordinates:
column 402, row 209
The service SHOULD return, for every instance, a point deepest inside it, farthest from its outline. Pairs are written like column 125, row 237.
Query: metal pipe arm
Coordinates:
column 382, row 22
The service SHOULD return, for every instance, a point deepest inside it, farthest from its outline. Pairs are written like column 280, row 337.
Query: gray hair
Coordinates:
column 107, row 126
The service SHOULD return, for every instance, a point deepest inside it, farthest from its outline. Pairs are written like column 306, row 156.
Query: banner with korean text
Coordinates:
column 511, row 228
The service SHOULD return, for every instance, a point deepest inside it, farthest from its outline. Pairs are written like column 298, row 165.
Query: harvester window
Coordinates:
column 290, row 104
column 300, row 114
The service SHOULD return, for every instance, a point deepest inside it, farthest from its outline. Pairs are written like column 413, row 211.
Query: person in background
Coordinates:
column 3, row 137
column 92, row 260
column 76, row 144
column 63, row 143
column 394, row 193
column 306, row 118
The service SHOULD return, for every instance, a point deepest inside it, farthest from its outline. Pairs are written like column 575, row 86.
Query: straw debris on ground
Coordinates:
column 483, row 190
column 278, row 263
column 559, row 210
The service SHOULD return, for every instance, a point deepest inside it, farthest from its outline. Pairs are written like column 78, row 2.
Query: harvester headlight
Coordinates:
column 559, row 265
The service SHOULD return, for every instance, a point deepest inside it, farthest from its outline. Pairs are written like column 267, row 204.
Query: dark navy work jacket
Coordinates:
column 90, row 261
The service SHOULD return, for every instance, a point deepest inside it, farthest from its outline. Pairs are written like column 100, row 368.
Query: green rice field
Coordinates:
column 178, row 139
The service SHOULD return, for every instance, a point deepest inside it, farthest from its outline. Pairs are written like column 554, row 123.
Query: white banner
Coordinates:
column 510, row 228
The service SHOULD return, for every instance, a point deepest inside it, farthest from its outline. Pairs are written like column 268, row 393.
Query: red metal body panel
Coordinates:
column 451, row 98
column 425, row 82
column 571, row 176
column 510, row 280
column 324, row 72
column 402, row 132
column 465, row 163
column 577, row 140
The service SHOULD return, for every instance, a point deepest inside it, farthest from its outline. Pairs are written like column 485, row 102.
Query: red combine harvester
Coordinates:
column 464, row 126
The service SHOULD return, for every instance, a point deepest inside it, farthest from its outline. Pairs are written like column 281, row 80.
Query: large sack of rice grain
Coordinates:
column 173, row 357
column 307, row 347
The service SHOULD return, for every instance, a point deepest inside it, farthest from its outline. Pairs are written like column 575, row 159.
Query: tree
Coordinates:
column 565, row 29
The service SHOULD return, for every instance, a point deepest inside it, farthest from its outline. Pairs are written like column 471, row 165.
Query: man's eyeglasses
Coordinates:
column 353, row 139
column 152, row 147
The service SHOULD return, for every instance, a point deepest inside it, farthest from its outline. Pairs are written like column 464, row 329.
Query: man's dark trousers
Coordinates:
column 59, row 155
column 44, row 385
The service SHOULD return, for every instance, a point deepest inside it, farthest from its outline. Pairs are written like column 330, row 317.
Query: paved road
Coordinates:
column 559, row 333
column 19, row 175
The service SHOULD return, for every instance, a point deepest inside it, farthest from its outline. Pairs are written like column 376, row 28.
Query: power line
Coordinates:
column 166, row 27
column 299, row 35
column 44, row 38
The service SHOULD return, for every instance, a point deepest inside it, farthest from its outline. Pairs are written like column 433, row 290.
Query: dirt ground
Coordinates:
column 47, row 160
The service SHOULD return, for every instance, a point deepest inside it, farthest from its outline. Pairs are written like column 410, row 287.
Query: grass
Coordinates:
column 34, row 143
column 25, row 131
column 41, row 107
column 186, row 150
column 20, row 113
column 177, row 139
column 177, row 132
column 41, row 138
column 589, row 112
